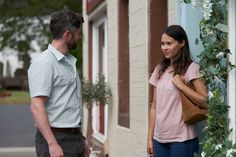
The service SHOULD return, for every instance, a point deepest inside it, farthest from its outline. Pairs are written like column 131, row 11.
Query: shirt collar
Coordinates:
column 56, row 53
column 60, row 56
column 70, row 58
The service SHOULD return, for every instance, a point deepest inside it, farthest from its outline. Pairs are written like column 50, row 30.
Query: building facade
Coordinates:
column 121, row 40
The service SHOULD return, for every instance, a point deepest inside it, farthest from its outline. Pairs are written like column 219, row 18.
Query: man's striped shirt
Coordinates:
column 54, row 75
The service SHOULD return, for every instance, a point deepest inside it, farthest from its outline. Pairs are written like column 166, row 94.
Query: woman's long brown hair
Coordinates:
column 183, row 61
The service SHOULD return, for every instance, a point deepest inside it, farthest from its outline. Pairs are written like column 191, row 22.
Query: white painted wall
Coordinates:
column 232, row 74
column 173, row 12
column 85, row 61
column 126, row 142
column 130, row 142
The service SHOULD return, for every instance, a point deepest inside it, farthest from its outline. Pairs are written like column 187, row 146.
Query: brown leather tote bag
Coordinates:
column 191, row 112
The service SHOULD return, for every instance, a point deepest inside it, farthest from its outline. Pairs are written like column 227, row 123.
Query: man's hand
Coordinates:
column 55, row 150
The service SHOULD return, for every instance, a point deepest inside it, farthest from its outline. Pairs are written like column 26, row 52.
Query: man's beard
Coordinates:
column 71, row 44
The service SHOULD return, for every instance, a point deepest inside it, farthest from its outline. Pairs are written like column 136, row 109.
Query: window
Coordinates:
column 99, row 66
column 158, row 10
column 123, row 61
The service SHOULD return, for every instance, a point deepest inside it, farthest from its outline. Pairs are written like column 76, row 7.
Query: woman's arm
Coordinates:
column 151, row 124
column 199, row 96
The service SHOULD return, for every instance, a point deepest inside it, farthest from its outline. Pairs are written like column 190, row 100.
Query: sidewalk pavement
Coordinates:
column 28, row 152
column 16, row 131
column 18, row 152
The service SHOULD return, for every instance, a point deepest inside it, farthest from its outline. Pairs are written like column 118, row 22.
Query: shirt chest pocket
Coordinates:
column 63, row 80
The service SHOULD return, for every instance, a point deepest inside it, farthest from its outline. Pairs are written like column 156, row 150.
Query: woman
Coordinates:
column 168, row 135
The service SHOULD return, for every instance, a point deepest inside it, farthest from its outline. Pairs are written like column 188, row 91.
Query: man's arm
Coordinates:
column 41, row 119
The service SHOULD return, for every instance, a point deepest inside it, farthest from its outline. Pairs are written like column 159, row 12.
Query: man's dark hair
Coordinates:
column 64, row 20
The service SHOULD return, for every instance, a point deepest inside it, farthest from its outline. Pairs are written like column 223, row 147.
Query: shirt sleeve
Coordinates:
column 153, row 78
column 40, row 79
column 193, row 72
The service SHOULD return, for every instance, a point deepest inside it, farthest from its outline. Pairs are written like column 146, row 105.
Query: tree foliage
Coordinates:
column 24, row 23
column 96, row 92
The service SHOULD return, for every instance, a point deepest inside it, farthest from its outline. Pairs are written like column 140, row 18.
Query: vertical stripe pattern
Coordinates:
column 54, row 75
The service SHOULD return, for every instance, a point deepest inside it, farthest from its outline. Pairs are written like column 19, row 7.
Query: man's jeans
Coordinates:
column 73, row 145
column 176, row 149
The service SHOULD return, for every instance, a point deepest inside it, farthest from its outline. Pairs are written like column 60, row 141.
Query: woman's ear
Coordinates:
column 182, row 43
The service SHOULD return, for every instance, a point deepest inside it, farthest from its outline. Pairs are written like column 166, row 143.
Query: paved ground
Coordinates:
column 17, row 152
column 16, row 131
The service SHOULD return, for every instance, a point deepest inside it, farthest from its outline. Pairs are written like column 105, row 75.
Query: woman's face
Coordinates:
column 170, row 47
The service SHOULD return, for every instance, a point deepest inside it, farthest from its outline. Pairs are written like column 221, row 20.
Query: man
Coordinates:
column 54, row 85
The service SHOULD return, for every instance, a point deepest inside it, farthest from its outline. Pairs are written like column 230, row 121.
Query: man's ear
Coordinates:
column 66, row 35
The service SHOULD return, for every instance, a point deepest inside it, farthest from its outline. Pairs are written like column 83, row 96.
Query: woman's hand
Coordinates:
column 150, row 148
column 178, row 81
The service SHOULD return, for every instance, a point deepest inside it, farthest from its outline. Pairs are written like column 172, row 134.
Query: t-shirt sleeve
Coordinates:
column 153, row 78
column 193, row 72
column 40, row 79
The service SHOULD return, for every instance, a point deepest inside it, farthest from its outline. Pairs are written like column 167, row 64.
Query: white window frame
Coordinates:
column 95, row 110
column 232, row 74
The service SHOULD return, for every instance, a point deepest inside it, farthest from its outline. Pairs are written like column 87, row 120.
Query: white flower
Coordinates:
column 207, row 9
column 203, row 154
column 207, row 16
column 205, row 6
column 218, row 146
column 222, row 27
column 210, row 94
column 220, row 55
column 222, row 99
column 196, row 3
column 229, row 152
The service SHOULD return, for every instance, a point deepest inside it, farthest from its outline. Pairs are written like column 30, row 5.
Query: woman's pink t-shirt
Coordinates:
column 169, row 124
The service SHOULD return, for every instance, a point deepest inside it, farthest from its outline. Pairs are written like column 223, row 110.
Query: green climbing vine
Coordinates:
column 215, row 67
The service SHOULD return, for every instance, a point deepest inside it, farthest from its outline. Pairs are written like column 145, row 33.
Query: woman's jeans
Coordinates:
column 176, row 149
